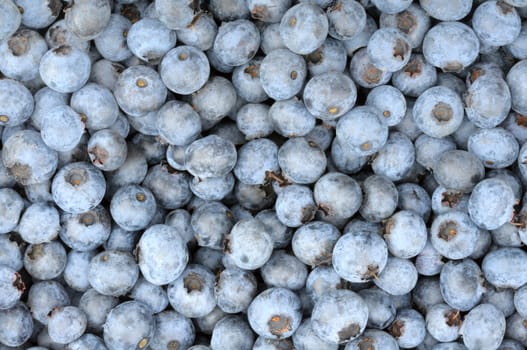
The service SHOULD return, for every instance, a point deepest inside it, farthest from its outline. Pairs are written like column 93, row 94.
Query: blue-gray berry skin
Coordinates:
column 97, row 116
column 389, row 49
column 290, row 118
column 17, row 325
column 447, row 10
column 210, row 222
column 398, row 277
column 162, row 254
column 184, row 69
column 301, row 162
column 255, row 159
column 339, row 316
column 295, row 205
column 178, row 123
column 174, row 14
column 458, row 170
column 443, row 322
column 113, row 272
column 236, row 42
column 405, row 234
column 275, row 313
column 17, row 103
column 331, row 56
column 45, row 261
column 282, row 74
column 518, row 87
column 88, row 27
column 74, row 65
column 150, row 294
column 491, row 204
column 501, row 16
column 408, row 328
column 66, row 324
column 130, row 325
column 10, row 19
column 192, row 293
column 172, row 331
column 454, row 235
column 85, row 231
column 21, row 54
column 478, row 110
column 201, row 34
column 232, row 332
column 11, row 206
column 43, row 297
column 107, row 149
column 235, row 289
column 38, row 15
column 381, row 309
column 313, row 242
column 284, row 270
column 305, row 338
column 461, row 284
column 11, row 249
column 483, row 326
column 61, row 128
column 111, row 42
column 58, row 34
column 12, row 287
column 496, row 147
column 215, row 99
column 249, row 244
column 147, row 50
column 380, row 198
column 414, row 22
column 210, row 156
column 75, row 273
column 303, row 28
column 133, row 207
column 252, row 119
column 504, row 267
column 96, row 306
column 170, row 188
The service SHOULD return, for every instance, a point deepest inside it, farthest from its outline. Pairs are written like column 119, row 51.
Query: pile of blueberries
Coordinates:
column 263, row 174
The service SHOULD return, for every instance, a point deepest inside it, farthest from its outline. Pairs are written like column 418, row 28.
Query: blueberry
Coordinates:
column 174, row 14
column 329, row 95
column 133, row 207
column 320, row 280
column 66, row 324
column 162, row 254
column 11, row 251
column 11, row 207
column 139, row 90
column 192, row 293
column 210, row 222
column 503, row 267
column 232, row 332
column 313, row 242
column 346, row 161
column 284, row 270
column 303, row 28
column 491, row 204
column 111, row 43
column 87, row 19
column 337, row 195
column 249, row 244
column 301, row 172
column 61, row 128
column 45, row 296
column 201, row 33
column 349, row 259
column 295, row 205
column 236, row 42
column 59, row 34
column 492, row 15
column 75, row 273
column 215, row 99
column 479, row 111
column 129, row 325
column 184, row 69
column 408, row 328
column 235, row 289
column 246, row 81
column 252, row 119
column 96, row 307
column 458, row 170
column 280, row 233
column 461, row 284
column 331, row 56
column 275, row 313
column 339, row 316
column 415, row 77
column 305, row 338
column 364, row 73
column 206, row 323
column 87, row 340
column 18, row 103
column 12, row 287
column 447, row 10
column 518, row 87
column 373, row 338
column 396, row 159
column 210, row 156
column 10, row 19
column 346, row 19
column 150, row 294
column 21, row 55
column 262, row 343
column 361, row 39
column 270, row 38
column 390, row 101
column 443, row 322
column 282, row 74
column 483, row 327
column 389, row 49
column 268, row 11
column 45, row 261
column 414, row 22
column 17, row 325
column 380, row 198
column 113, row 272
column 442, row 51
column 173, row 331
column 255, row 159
column 74, row 65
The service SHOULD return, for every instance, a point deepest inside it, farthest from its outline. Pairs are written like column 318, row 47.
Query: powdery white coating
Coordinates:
column 416, row 77
column 414, row 22
column 338, row 195
column 491, row 204
column 10, row 19
column 447, row 10
column 462, row 284
column 451, row 46
column 274, row 303
column 58, row 34
column 178, row 123
column 235, row 289
column 150, row 294
column 86, row 341
column 21, row 55
column 96, row 307
column 339, row 316
column 361, row 39
column 172, row 329
column 280, row 233
column 17, row 103
column 236, row 42
column 483, row 327
column 210, row 156
column 389, row 49
column 11, row 256
column 139, row 90
column 162, row 254
column 405, row 234
column 111, row 42
column 61, row 128
column 305, row 338
column 88, row 27
column 192, row 293
column 491, row 15
column 303, row 28
column 396, row 158
column 201, row 34
column 458, row 170
column 252, row 119
column 518, row 88
column 65, row 69
column 362, row 130
column 438, row 324
column 454, row 235
column 46, row 99
column 78, row 198
column 358, row 256
column 330, row 95
column 215, row 99
column 17, row 326
column 518, row 48
column 45, row 261
column 255, row 159
column 380, row 198
column 344, row 160
column 488, row 101
column 364, row 73
column 66, row 324
column 9, row 283
column 249, row 244
column 45, row 296
column 496, row 147
column 246, row 81
column 398, row 277
column 211, row 222
column 331, row 56
column 174, row 14
column 438, row 112
column 284, row 270
column 520, row 301
column 76, row 271
column 413, row 331
column 133, row 207
column 184, row 69
column 232, row 332
column 113, row 272
column 301, row 161
column 505, row 267
column 129, row 324
column 429, row 262
column 295, row 205
column 212, row 188
column 282, row 74
column 268, row 11
column 11, row 207
column 390, row 101
column 373, row 338
column 428, row 149
column 139, row 43
column 346, row 19
column 391, row 6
